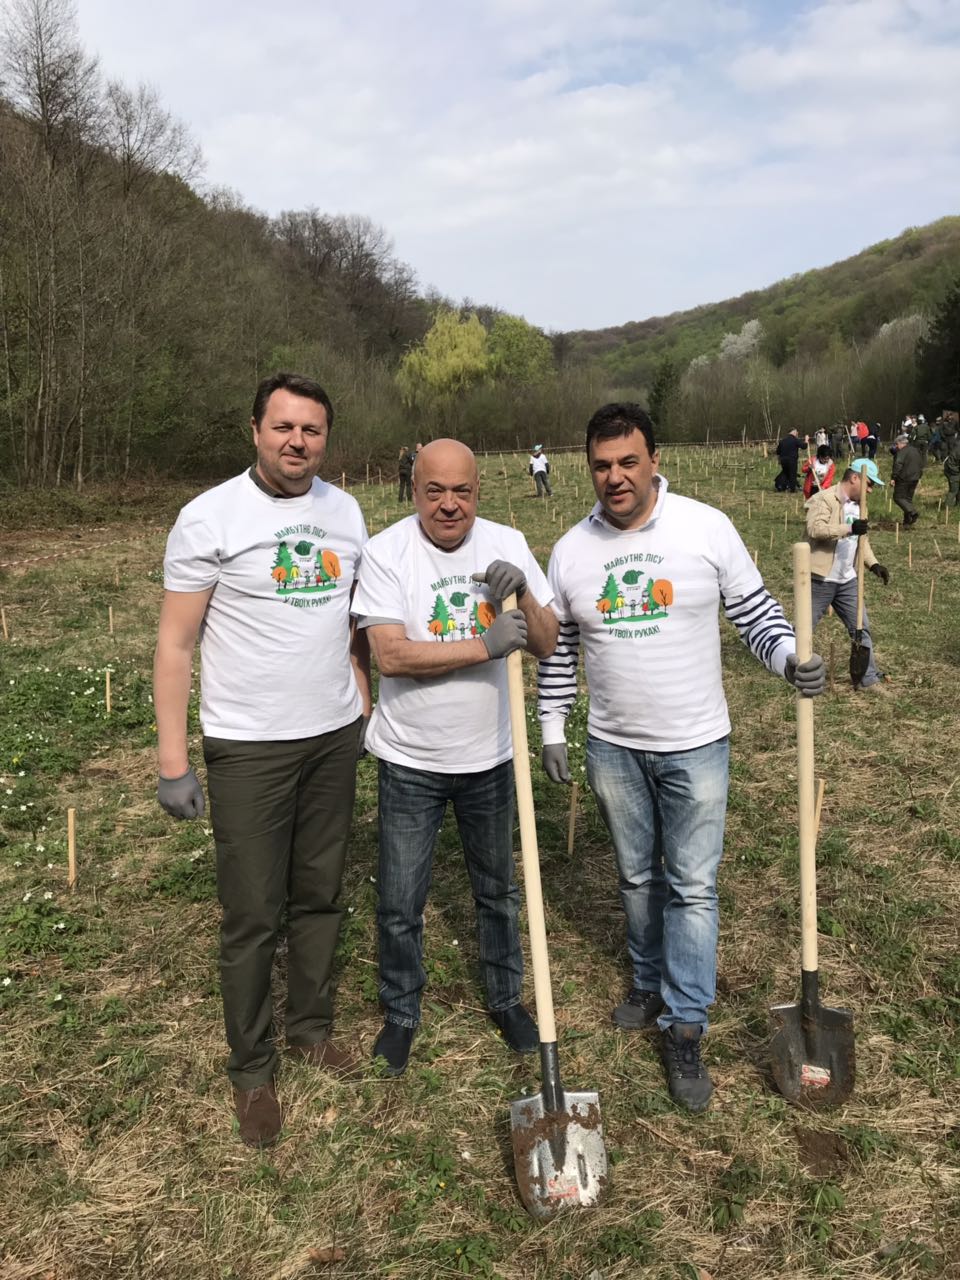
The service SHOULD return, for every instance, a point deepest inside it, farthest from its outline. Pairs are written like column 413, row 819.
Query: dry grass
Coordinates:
column 117, row 1151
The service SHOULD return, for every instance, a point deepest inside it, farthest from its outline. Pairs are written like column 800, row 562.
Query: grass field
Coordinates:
column 118, row 1153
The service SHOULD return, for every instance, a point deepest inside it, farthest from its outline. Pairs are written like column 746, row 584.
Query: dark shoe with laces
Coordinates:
column 393, row 1045
column 687, row 1078
column 640, row 1009
column 258, row 1112
column 518, row 1028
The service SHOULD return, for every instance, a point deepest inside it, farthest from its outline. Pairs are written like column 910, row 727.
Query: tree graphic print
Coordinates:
column 440, row 620
column 282, row 571
column 611, row 594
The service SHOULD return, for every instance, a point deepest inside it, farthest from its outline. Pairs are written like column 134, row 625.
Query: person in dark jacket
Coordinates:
column 788, row 451
column 907, row 470
column 951, row 469
column 404, row 474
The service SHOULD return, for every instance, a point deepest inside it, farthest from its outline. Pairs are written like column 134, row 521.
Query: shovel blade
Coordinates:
column 813, row 1058
column 559, row 1156
column 859, row 660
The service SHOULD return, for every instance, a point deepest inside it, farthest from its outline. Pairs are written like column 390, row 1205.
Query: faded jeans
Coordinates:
column 665, row 812
column 412, row 806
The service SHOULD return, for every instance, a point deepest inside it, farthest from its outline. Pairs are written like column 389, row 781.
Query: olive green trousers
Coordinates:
column 281, row 815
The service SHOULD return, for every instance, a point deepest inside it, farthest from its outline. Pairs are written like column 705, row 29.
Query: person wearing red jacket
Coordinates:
column 818, row 472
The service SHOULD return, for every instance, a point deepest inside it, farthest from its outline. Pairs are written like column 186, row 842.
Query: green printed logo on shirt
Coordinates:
column 635, row 598
column 459, row 616
column 304, row 568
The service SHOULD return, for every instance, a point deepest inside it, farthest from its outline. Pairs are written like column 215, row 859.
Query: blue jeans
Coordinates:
column 665, row 812
column 412, row 805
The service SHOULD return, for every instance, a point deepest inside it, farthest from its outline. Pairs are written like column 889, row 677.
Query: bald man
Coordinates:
column 428, row 598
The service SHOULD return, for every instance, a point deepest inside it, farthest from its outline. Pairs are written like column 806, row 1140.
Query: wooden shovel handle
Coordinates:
column 546, row 1026
column 803, row 625
column 863, row 516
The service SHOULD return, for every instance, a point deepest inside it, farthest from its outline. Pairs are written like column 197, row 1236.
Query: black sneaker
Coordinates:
column 519, row 1029
column 687, row 1078
column 639, row 1010
column 393, row 1045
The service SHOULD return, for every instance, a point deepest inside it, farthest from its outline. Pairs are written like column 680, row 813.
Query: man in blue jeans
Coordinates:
column 427, row 599
column 640, row 583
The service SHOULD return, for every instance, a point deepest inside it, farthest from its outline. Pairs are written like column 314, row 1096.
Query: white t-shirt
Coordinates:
column 459, row 722
column 538, row 461
column 647, row 603
column 275, row 639
column 844, row 557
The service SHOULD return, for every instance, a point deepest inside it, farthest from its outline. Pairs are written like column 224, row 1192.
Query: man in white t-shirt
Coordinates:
column 834, row 531
column 427, row 598
column 262, row 569
column 640, row 583
column 539, row 468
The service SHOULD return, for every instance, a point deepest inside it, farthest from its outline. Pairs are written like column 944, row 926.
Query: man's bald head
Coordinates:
column 446, row 487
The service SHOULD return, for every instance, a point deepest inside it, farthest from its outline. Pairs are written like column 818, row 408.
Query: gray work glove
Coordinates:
column 502, row 577
column 362, row 737
column 181, row 797
column 507, row 634
column 808, row 678
column 554, row 761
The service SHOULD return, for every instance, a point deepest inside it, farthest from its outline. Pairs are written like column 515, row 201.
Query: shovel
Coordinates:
column 860, row 652
column 812, row 1049
column 558, row 1151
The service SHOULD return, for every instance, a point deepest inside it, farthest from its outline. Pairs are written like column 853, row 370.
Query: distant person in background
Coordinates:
column 834, row 530
column 819, row 473
column 839, row 441
column 907, row 470
column 539, row 468
column 405, row 474
column 872, row 439
column 862, row 432
column 821, row 438
column 920, row 438
column 788, row 451
column 951, row 469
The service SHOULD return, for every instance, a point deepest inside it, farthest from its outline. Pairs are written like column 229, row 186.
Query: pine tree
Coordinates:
column 440, row 618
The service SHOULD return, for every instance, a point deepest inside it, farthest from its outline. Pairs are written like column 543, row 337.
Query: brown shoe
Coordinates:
column 259, row 1114
column 325, row 1054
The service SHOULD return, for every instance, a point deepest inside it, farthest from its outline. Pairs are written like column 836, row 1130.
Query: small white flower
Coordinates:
column 455, row 943
column 23, row 808
column 27, row 896
column 7, row 982
column 49, row 866
column 349, row 911
column 40, row 848
column 57, row 998
column 47, row 896
column 18, row 863
column 22, row 773
column 59, row 926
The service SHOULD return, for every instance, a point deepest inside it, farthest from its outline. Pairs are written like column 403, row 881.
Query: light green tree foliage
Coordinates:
column 519, row 353
column 452, row 357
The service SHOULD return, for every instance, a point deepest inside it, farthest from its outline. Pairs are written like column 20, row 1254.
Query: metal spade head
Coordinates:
column 560, row 1158
column 812, row 1055
column 859, row 660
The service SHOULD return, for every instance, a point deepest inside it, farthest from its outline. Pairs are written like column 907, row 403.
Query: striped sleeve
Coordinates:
column 557, row 684
column 762, row 627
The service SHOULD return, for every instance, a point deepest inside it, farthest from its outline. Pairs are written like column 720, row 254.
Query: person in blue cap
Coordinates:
column 539, row 468
column 834, row 531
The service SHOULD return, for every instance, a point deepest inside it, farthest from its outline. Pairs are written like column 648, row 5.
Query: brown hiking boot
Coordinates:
column 258, row 1111
column 325, row 1054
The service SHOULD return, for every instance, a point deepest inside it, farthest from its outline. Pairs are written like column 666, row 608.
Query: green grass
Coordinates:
column 118, row 1152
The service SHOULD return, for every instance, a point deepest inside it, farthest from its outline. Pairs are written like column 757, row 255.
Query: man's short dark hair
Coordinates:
column 620, row 420
column 849, row 474
column 297, row 385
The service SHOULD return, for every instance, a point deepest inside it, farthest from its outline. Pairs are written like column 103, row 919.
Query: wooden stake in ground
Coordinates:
column 110, row 617
column 107, row 691
column 71, row 849
column 909, row 555
column 572, row 820
column 3, row 621
column 936, row 547
column 896, row 533
column 930, row 601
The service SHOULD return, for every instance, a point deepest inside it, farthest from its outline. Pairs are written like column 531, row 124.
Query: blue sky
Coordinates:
column 578, row 162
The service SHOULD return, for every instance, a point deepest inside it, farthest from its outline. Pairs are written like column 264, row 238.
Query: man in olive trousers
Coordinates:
column 262, row 569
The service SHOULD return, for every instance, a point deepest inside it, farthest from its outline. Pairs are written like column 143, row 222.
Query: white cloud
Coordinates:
column 582, row 162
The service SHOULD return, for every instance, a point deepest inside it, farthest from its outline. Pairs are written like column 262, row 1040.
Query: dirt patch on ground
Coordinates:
column 822, row 1154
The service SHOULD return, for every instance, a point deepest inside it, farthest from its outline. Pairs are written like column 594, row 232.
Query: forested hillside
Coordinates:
column 803, row 316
